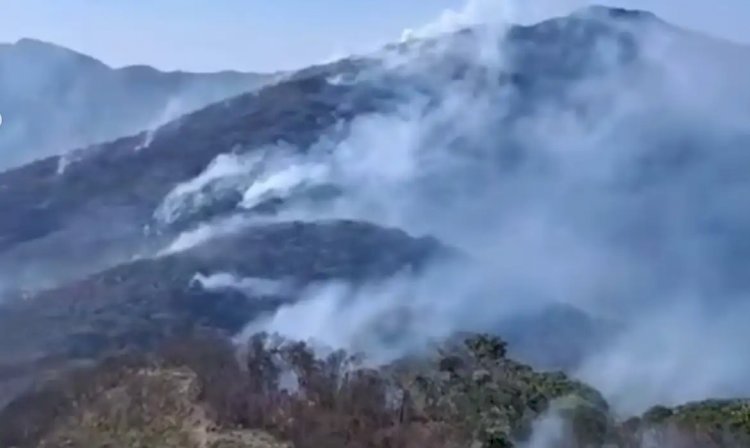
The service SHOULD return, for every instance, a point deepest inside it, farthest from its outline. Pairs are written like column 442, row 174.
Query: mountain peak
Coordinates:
column 28, row 43
column 608, row 12
column 49, row 51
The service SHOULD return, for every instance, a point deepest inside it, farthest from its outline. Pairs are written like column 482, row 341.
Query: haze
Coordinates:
column 260, row 35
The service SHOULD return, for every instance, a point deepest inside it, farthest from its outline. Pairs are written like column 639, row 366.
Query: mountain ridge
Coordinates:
column 564, row 185
column 54, row 99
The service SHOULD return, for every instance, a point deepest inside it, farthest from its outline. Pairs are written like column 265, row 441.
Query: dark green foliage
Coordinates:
column 707, row 424
column 487, row 347
column 657, row 415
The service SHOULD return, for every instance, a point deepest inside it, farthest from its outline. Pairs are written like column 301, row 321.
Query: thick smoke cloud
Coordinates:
column 610, row 177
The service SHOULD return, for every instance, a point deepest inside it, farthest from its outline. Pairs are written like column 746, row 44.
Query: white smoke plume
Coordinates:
column 620, row 194
column 251, row 286
column 497, row 13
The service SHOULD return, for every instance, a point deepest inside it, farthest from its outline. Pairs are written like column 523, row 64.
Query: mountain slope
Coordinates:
column 581, row 70
column 590, row 172
column 121, row 183
column 106, row 195
column 54, row 99
column 219, row 285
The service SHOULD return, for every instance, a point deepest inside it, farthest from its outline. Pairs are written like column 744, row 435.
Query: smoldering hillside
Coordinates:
column 576, row 185
column 596, row 161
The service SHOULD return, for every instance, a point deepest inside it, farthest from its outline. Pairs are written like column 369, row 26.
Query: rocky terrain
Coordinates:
column 520, row 237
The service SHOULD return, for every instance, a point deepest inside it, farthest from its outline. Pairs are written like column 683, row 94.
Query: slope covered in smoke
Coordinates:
column 74, row 214
column 53, row 99
column 588, row 171
column 218, row 285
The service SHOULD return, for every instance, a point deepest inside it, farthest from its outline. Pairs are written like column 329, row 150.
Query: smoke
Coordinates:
column 548, row 432
column 225, row 171
column 598, row 161
column 203, row 233
column 174, row 108
column 474, row 12
column 686, row 352
column 390, row 319
column 251, row 286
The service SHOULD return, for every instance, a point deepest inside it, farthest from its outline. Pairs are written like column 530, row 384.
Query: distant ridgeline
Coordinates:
column 522, row 239
column 54, row 99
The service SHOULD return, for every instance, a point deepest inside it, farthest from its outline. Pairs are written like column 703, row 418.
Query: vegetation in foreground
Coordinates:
column 273, row 393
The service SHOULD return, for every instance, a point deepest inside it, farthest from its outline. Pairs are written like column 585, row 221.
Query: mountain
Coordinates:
column 53, row 99
column 142, row 303
column 576, row 186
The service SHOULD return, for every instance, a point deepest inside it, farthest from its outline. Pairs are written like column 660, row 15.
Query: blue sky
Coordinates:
column 264, row 35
